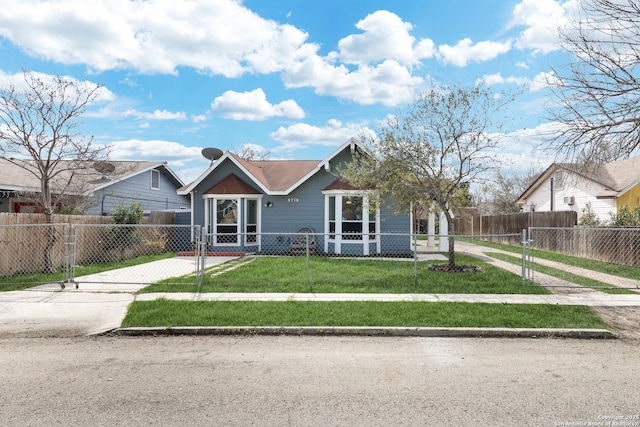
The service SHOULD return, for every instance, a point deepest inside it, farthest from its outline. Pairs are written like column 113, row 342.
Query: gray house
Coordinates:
column 93, row 188
column 259, row 206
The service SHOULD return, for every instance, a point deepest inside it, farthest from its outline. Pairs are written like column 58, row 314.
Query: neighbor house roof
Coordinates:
column 77, row 177
column 274, row 177
column 617, row 177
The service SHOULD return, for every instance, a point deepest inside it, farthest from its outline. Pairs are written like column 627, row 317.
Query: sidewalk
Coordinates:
column 593, row 299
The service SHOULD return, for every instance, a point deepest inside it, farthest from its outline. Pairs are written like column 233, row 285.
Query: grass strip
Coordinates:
column 564, row 275
column 24, row 281
column 599, row 266
column 172, row 313
column 342, row 275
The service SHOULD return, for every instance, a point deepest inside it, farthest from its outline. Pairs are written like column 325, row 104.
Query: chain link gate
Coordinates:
column 27, row 250
column 135, row 253
column 527, row 259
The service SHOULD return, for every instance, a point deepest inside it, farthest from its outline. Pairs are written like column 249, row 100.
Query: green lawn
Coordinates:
column 169, row 313
column 341, row 275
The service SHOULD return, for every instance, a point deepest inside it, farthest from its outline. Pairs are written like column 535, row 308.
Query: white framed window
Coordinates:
column 350, row 219
column 251, row 222
column 233, row 220
column 226, row 221
column 155, row 179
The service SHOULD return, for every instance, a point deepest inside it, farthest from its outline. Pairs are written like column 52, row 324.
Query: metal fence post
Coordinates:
column 200, row 254
column 415, row 260
column 524, row 255
column 306, row 235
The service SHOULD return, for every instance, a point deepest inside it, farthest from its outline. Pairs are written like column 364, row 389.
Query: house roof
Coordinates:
column 77, row 177
column 274, row 177
column 617, row 177
column 277, row 175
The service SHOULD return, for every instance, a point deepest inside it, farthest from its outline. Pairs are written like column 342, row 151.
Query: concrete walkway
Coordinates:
column 102, row 300
column 594, row 299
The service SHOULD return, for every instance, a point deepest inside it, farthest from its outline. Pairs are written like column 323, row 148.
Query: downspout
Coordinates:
column 552, row 196
column 191, row 194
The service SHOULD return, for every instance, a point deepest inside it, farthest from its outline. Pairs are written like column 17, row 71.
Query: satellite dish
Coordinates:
column 211, row 153
column 104, row 168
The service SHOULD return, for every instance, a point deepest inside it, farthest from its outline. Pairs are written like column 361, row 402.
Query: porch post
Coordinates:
column 431, row 228
column 338, row 243
column 444, row 227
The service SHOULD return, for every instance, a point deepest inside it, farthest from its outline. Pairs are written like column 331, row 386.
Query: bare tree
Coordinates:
column 504, row 190
column 445, row 140
column 39, row 121
column 251, row 152
column 597, row 92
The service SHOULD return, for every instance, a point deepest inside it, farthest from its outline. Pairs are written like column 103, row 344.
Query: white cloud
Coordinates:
column 17, row 80
column 199, row 118
column 497, row 78
column 156, row 115
column 539, row 82
column 302, row 135
column 543, row 80
column 542, row 18
column 466, row 51
column 220, row 37
column 253, row 106
column 186, row 162
column 388, row 83
column 136, row 149
column 385, row 36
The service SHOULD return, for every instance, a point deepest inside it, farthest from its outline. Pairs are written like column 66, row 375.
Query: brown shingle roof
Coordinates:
column 277, row 175
column 615, row 175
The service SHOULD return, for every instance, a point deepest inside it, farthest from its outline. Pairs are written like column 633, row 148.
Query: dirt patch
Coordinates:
column 623, row 320
column 455, row 268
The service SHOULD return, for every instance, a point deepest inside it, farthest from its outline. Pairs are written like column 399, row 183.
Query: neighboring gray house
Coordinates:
column 152, row 184
column 254, row 206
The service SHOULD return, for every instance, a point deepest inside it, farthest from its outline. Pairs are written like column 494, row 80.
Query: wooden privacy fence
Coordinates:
column 512, row 223
column 24, row 237
column 613, row 245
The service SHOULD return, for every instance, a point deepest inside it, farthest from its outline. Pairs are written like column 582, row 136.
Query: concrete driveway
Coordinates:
column 99, row 305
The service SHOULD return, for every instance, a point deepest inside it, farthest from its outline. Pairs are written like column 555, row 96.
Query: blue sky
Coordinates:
column 295, row 78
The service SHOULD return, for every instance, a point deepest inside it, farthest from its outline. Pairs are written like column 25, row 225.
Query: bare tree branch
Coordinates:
column 597, row 93
column 40, row 122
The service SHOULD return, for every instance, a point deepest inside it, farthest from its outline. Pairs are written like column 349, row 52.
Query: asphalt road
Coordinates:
column 323, row 381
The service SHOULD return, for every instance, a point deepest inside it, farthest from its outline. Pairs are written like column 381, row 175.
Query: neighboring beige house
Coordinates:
column 152, row 184
column 572, row 186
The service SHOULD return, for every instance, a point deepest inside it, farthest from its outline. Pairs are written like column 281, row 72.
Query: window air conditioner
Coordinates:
column 569, row 200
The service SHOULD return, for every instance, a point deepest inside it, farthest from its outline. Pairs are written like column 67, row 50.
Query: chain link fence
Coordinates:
column 614, row 245
column 395, row 245
column 33, row 248
column 46, row 253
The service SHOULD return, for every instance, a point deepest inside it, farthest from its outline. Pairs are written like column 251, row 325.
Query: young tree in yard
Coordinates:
column 444, row 140
column 39, row 120
column 120, row 237
column 597, row 92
